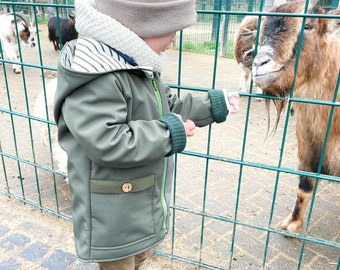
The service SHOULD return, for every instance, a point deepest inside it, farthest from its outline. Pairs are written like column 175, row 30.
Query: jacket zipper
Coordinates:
column 163, row 200
column 158, row 96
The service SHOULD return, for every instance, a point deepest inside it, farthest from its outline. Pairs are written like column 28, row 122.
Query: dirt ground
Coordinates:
column 239, row 183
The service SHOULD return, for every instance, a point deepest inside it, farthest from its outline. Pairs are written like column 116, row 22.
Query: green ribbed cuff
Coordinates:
column 218, row 105
column 178, row 136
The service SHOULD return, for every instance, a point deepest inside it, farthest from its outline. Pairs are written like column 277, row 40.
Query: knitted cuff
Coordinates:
column 178, row 136
column 218, row 105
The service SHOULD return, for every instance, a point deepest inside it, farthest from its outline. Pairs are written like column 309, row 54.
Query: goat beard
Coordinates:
column 280, row 106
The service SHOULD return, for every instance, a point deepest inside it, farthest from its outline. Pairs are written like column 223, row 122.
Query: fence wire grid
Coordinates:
column 233, row 184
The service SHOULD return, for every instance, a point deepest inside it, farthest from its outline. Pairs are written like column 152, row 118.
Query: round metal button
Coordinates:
column 127, row 187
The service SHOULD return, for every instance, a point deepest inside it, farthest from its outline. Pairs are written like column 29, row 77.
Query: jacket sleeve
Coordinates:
column 96, row 116
column 202, row 108
column 177, row 133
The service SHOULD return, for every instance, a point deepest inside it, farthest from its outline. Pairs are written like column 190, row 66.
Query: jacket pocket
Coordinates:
column 121, row 211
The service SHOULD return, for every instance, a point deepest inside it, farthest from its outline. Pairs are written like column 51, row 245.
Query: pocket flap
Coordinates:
column 116, row 187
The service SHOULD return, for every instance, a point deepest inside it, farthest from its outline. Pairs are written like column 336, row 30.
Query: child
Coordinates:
column 120, row 126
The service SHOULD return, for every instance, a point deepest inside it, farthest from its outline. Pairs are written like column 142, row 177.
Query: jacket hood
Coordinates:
column 99, row 26
column 83, row 60
column 86, row 55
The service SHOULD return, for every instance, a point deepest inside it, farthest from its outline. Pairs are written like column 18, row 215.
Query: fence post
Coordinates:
column 216, row 20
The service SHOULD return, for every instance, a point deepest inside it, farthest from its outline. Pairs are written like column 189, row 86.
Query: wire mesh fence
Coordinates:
column 233, row 183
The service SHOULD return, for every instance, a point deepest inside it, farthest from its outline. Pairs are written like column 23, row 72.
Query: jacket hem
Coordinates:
column 109, row 257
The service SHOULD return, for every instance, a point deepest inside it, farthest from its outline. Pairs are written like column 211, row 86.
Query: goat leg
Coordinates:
column 294, row 222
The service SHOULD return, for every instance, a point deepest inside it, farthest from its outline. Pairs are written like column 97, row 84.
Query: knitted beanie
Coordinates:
column 150, row 18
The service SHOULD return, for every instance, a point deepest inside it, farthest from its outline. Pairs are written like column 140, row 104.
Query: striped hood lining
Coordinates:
column 91, row 56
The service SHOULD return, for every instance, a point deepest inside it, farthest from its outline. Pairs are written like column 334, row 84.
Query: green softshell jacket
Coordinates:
column 117, row 123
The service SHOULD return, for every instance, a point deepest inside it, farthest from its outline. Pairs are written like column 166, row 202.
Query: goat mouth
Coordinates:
column 264, row 66
column 265, row 78
column 263, row 73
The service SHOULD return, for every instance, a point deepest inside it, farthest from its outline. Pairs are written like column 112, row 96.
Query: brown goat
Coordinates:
column 244, row 44
column 316, row 79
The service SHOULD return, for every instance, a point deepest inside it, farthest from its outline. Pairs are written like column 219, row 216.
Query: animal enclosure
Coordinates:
column 234, row 183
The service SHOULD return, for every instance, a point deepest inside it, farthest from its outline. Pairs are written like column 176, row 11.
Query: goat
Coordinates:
column 244, row 45
column 66, row 28
column 316, row 78
column 58, row 154
column 14, row 28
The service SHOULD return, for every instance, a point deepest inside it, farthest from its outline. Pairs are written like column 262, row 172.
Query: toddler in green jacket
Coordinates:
column 120, row 125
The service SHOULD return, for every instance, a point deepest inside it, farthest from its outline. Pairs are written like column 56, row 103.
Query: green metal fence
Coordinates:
column 232, row 183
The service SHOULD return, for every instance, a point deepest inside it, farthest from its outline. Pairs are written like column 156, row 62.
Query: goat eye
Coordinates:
column 308, row 27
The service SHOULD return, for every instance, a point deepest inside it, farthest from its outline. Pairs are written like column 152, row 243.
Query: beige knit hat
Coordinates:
column 150, row 18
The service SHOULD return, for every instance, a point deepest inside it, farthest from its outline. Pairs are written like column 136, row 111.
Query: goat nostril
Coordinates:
column 261, row 62
column 265, row 62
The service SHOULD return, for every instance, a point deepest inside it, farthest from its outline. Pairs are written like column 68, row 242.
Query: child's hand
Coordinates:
column 188, row 125
column 232, row 100
column 189, row 128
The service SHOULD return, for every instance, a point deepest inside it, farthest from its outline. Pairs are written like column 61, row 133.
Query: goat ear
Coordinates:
column 323, row 28
column 72, row 15
column 248, row 37
column 334, row 23
column 21, row 26
column 312, row 3
column 32, row 28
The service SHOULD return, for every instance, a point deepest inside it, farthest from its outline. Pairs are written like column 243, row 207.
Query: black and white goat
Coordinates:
column 14, row 29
